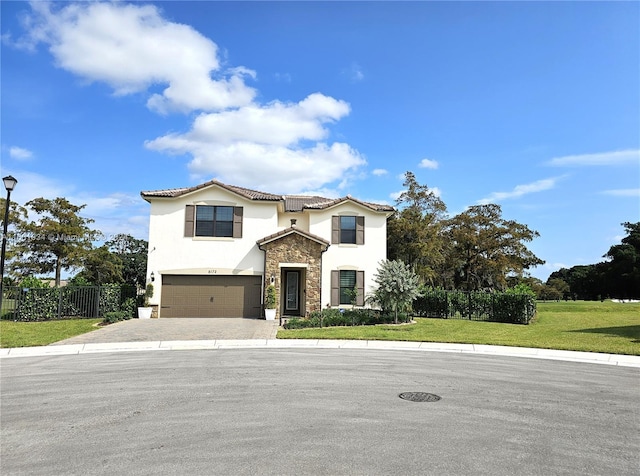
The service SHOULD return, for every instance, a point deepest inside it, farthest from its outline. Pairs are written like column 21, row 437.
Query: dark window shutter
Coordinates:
column 189, row 215
column 335, row 229
column 335, row 288
column 360, row 288
column 238, row 213
column 359, row 230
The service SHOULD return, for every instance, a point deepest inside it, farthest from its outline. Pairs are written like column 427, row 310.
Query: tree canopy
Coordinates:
column 476, row 249
column 57, row 239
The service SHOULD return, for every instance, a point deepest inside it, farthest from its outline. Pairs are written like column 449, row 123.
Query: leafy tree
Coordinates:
column 102, row 267
column 133, row 255
column 59, row 238
column 413, row 232
column 623, row 269
column 484, row 248
column 398, row 287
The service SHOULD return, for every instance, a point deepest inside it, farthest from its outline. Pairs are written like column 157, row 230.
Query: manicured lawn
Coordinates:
column 27, row 334
column 581, row 325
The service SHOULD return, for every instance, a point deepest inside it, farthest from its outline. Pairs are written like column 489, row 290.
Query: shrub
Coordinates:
column 115, row 316
column 129, row 307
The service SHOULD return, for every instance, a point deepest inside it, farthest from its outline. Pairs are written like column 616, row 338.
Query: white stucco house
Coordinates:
column 214, row 248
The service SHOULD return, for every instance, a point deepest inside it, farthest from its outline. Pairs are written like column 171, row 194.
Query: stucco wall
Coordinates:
column 170, row 252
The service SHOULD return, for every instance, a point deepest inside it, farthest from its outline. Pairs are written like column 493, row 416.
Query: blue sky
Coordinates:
column 534, row 106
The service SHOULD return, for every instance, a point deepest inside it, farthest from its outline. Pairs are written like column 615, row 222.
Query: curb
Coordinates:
column 620, row 360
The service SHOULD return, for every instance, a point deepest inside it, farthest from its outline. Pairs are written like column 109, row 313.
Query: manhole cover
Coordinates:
column 419, row 397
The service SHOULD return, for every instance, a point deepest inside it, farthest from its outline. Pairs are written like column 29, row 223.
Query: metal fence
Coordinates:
column 475, row 306
column 40, row 304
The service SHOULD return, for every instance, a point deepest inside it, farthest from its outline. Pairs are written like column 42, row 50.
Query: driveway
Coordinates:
column 141, row 330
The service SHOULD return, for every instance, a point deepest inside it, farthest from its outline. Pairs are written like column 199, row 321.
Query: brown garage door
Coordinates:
column 210, row 296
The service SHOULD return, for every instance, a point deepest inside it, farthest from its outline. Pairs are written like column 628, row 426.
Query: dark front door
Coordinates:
column 292, row 293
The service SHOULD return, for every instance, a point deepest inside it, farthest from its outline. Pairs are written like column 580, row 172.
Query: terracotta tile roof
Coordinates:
column 292, row 229
column 245, row 192
column 330, row 203
column 292, row 203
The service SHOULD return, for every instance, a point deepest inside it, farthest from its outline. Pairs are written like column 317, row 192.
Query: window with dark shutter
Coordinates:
column 215, row 221
column 347, row 229
column 189, row 215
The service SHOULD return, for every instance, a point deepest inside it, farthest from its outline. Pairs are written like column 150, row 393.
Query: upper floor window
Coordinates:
column 347, row 229
column 213, row 221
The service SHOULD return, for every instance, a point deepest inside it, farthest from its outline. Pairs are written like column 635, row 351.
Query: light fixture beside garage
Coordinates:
column 272, row 279
column 153, row 277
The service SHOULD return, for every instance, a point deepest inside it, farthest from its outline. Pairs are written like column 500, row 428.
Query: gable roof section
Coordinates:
column 243, row 192
column 289, row 231
column 292, row 203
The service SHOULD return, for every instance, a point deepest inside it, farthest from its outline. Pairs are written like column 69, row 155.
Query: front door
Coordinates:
column 292, row 293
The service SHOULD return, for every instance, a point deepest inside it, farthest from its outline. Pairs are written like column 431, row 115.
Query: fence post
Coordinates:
column 98, row 302
column 469, row 303
column 59, row 303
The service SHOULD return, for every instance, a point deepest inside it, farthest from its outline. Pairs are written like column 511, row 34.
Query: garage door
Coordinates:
column 211, row 296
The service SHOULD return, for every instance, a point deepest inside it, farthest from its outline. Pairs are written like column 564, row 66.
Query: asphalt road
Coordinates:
column 308, row 411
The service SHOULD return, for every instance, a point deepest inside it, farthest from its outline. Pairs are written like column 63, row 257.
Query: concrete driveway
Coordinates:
column 141, row 330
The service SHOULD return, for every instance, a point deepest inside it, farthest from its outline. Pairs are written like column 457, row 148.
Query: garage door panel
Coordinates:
column 211, row 296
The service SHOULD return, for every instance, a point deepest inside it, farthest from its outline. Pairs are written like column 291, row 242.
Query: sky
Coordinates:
column 534, row 106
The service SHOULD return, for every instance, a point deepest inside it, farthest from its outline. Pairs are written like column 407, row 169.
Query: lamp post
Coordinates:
column 9, row 184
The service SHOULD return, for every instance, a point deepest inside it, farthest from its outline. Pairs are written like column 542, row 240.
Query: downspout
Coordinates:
column 264, row 274
column 321, row 261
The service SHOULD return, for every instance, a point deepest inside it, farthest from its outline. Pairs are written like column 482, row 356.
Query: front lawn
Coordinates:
column 27, row 334
column 581, row 325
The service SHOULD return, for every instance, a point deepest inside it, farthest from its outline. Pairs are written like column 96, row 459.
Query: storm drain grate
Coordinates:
column 419, row 397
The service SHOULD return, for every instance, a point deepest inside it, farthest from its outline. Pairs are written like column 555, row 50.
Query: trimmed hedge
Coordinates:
column 516, row 306
column 344, row 317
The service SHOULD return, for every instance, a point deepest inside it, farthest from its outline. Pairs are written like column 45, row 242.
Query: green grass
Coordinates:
column 581, row 325
column 28, row 334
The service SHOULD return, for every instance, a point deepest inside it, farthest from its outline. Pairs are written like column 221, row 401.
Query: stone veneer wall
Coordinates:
column 295, row 248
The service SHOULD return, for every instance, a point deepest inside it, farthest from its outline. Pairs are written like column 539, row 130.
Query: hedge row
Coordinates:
column 33, row 304
column 514, row 306
column 343, row 317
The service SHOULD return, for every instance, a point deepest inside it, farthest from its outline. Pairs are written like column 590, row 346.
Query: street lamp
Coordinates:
column 9, row 184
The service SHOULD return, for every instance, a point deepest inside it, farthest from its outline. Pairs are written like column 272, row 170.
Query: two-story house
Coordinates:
column 214, row 248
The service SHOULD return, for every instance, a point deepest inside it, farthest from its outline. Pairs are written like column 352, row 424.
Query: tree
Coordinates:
column 484, row 249
column 398, row 286
column 58, row 239
column 133, row 254
column 623, row 269
column 413, row 232
column 102, row 267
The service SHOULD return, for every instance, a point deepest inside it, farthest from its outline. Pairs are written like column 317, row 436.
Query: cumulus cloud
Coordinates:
column 131, row 47
column 623, row 192
column 277, row 146
column 19, row 153
column 618, row 157
column 379, row 172
column 428, row 164
column 520, row 190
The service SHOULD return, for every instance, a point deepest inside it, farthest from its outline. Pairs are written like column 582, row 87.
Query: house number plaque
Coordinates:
column 212, row 271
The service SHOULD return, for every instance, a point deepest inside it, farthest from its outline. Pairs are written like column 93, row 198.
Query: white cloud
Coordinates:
column 521, row 190
column 267, row 146
column 379, row 172
column 618, row 157
column 131, row 47
column 428, row 164
column 623, row 192
column 19, row 153
column 396, row 195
